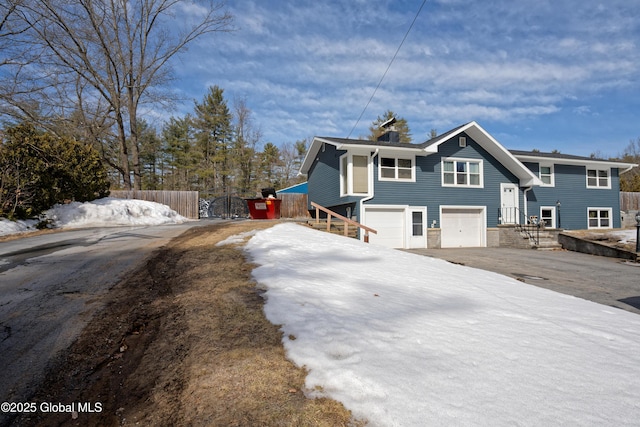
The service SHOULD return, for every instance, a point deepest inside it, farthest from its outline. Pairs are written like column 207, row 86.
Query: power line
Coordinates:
column 388, row 67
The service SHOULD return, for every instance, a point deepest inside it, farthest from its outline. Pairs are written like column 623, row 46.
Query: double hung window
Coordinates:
column 600, row 218
column 462, row 173
column 546, row 175
column 598, row 178
column 396, row 169
column 548, row 216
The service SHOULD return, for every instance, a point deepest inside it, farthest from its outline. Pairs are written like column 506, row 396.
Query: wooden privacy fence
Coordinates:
column 184, row 202
column 293, row 205
column 629, row 201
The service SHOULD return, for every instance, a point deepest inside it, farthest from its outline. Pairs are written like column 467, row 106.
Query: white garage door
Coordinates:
column 389, row 223
column 462, row 227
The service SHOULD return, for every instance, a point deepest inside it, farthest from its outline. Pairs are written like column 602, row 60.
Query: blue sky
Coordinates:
column 543, row 74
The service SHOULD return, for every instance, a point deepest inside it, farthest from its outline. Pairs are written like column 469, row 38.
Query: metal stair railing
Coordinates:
column 529, row 226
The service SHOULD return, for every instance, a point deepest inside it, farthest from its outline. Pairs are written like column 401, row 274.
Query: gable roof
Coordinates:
column 445, row 136
column 493, row 147
column 486, row 141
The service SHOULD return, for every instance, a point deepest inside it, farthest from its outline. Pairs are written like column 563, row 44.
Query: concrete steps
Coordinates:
column 546, row 241
column 547, row 245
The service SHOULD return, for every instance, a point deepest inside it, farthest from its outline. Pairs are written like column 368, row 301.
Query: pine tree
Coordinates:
column 270, row 164
column 401, row 127
column 179, row 159
column 214, row 136
column 150, row 156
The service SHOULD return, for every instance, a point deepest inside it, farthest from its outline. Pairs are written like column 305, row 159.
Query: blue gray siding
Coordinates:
column 324, row 182
column 570, row 187
column 572, row 192
column 428, row 190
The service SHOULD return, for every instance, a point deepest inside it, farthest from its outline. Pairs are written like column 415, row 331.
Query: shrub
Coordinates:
column 38, row 170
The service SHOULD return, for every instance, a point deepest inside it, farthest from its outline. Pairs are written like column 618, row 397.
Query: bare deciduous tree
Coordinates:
column 247, row 137
column 292, row 156
column 102, row 59
column 10, row 29
column 630, row 181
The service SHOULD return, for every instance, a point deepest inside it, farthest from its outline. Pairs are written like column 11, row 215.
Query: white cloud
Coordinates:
column 583, row 110
column 506, row 63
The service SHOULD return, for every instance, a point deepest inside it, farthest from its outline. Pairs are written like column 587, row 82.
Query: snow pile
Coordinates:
column 99, row 213
column 405, row 340
column 110, row 211
column 15, row 227
column 624, row 236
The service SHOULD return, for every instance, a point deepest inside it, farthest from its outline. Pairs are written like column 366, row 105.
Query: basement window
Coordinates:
column 548, row 216
column 600, row 217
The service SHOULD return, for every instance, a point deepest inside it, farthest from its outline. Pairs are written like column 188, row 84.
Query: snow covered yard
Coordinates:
column 625, row 236
column 405, row 340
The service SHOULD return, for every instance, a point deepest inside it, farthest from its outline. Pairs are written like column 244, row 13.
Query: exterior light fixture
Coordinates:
column 638, row 231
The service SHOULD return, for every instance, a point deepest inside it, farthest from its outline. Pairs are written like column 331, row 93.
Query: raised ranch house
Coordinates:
column 459, row 189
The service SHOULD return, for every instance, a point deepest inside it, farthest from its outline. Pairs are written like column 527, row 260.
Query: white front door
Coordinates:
column 509, row 213
column 418, row 227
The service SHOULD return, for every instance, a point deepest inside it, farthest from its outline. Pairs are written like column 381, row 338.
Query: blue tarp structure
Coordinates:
column 295, row 189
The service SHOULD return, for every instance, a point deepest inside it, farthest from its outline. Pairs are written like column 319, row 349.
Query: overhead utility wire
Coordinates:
column 387, row 70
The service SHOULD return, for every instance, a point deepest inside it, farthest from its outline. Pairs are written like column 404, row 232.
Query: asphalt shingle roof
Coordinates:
column 554, row 155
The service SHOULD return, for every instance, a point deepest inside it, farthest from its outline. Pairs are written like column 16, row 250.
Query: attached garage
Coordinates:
column 463, row 226
column 389, row 222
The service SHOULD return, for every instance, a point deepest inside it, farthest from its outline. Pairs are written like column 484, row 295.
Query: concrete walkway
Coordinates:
column 608, row 281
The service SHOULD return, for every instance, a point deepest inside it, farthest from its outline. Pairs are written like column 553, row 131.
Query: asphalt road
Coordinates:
column 608, row 281
column 50, row 287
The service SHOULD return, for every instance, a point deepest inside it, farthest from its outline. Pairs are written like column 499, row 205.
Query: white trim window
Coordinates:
column 462, row 173
column 548, row 216
column 354, row 175
column 598, row 178
column 396, row 169
column 600, row 217
column 546, row 175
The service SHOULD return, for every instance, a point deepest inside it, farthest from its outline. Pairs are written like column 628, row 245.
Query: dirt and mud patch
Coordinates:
column 183, row 341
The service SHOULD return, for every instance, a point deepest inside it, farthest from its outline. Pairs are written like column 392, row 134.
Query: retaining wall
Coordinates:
column 577, row 244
